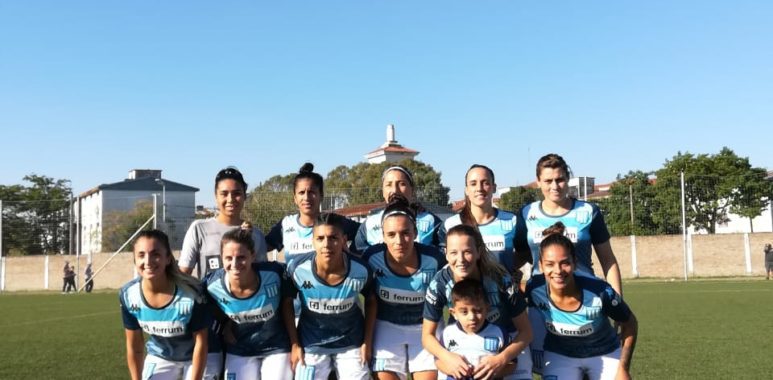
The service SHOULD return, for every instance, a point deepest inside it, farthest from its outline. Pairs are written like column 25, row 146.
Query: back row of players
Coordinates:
column 396, row 261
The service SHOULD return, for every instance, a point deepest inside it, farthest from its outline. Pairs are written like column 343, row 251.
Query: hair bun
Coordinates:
column 557, row 228
column 307, row 168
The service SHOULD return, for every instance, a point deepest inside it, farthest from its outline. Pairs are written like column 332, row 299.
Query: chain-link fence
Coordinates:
column 702, row 204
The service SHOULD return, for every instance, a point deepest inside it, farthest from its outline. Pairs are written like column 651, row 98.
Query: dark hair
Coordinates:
column 239, row 236
column 487, row 264
column 185, row 282
column 554, row 235
column 466, row 214
column 468, row 289
column 233, row 173
column 399, row 168
column 553, row 161
column 307, row 172
column 330, row 219
column 400, row 205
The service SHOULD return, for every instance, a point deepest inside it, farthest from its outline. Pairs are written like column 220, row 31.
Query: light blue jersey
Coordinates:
column 584, row 227
column 427, row 226
column 331, row 317
column 170, row 328
column 498, row 235
column 400, row 297
column 505, row 302
column 257, row 320
column 295, row 238
column 587, row 331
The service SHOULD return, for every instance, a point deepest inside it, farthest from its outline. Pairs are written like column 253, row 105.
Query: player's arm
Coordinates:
column 135, row 353
column 495, row 365
column 629, row 330
column 446, row 361
column 371, row 306
column 199, row 360
column 288, row 317
column 609, row 265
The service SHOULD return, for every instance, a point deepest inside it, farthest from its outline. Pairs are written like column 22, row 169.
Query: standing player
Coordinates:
column 576, row 308
column 397, row 180
column 497, row 227
column 201, row 247
column 293, row 233
column 468, row 259
column 472, row 336
column 585, row 227
column 249, row 296
column 167, row 305
column 403, row 270
column 332, row 330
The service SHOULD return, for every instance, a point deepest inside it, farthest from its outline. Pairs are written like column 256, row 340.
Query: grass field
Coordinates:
column 718, row 329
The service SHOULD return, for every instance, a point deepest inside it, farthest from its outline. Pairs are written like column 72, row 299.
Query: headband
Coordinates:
column 400, row 168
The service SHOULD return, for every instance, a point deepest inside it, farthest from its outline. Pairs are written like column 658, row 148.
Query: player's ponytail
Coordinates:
column 554, row 235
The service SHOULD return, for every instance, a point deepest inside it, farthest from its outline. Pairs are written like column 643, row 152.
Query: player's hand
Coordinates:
column 457, row 366
column 488, row 366
column 296, row 356
column 228, row 333
column 622, row 374
column 246, row 226
column 365, row 353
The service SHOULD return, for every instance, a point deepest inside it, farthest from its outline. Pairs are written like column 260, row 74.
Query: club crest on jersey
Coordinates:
column 491, row 344
column 272, row 290
column 582, row 216
column 592, row 312
column 426, row 277
column 507, row 225
column 422, row 225
column 184, row 306
column 354, row 284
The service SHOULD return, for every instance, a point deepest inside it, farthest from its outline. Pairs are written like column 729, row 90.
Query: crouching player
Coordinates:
column 332, row 330
column 168, row 306
column 580, row 339
column 248, row 298
column 472, row 336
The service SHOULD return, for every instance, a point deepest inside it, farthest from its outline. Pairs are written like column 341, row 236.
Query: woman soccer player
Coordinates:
column 497, row 227
column 332, row 330
column 576, row 308
column 167, row 305
column 403, row 270
column 467, row 258
column 201, row 247
column 397, row 180
column 293, row 233
column 249, row 296
column 585, row 227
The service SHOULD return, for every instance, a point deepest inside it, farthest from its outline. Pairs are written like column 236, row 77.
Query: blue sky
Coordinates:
column 92, row 89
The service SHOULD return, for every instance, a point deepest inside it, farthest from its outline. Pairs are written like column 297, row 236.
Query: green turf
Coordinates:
column 699, row 329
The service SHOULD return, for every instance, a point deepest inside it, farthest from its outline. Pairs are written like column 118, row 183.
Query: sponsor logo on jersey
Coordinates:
column 307, row 285
column 165, row 329
column 569, row 232
column 380, row 273
column 566, row 329
column 494, row 242
column 491, row 344
column 452, row 343
column 401, row 296
column 297, row 247
column 331, row 306
column 253, row 316
column 543, row 306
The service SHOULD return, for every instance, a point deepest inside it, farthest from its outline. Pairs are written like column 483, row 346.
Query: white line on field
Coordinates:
column 706, row 291
column 41, row 321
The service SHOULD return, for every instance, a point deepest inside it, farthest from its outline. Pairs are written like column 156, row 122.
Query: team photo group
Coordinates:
column 404, row 294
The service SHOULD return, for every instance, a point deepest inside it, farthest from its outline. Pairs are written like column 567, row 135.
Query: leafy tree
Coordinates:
column 118, row 226
column 752, row 195
column 518, row 197
column 36, row 217
column 270, row 201
column 616, row 208
column 361, row 184
column 712, row 185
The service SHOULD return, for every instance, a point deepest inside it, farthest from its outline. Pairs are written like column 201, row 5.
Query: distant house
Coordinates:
column 95, row 204
column 390, row 151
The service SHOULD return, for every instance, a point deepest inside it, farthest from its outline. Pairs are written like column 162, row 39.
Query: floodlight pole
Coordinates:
column 163, row 202
column 684, row 227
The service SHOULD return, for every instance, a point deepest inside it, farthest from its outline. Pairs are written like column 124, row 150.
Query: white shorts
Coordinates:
column 214, row 366
column 538, row 331
column 347, row 364
column 156, row 368
column 271, row 367
column 597, row 367
column 397, row 346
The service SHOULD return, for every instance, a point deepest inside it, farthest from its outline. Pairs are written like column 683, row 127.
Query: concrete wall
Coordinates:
column 657, row 257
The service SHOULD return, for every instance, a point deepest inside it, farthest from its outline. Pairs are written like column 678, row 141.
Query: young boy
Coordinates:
column 471, row 335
